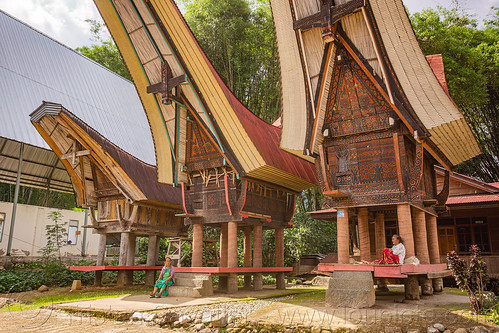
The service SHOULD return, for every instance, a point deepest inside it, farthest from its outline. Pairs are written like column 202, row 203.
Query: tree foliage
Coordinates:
column 105, row 52
column 238, row 38
column 471, row 59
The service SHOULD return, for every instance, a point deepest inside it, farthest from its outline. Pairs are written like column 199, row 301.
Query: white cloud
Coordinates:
column 63, row 20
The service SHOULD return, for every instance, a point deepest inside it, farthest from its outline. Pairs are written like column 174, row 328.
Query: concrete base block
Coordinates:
column 191, row 285
column 412, row 288
column 76, row 285
column 438, row 285
column 426, row 287
column 247, row 282
column 257, row 281
column 232, row 284
column 149, row 279
column 222, row 283
column 280, row 281
column 124, row 278
column 351, row 289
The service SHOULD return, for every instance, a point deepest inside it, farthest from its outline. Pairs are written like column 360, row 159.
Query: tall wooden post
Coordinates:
column 232, row 256
column 257, row 256
column 124, row 243
column 222, row 279
column 405, row 228
column 130, row 257
column 197, row 245
column 279, row 257
column 247, row 255
column 342, row 238
column 152, row 256
column 379, row 231
column 433, row 248
column 101, row 254
column 365, row 242
column 420, row 239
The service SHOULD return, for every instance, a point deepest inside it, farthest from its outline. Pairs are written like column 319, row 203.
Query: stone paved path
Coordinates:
column 44, row 320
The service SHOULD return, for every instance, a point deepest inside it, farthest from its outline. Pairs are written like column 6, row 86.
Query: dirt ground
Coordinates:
column 391, row 310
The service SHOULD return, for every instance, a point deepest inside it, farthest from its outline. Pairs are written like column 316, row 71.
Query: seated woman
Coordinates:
column 165, row 280
column 393, row 256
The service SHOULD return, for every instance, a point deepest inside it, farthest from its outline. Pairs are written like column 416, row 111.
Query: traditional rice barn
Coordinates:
column 360, row 99
column 226, row 160
column 124, row 190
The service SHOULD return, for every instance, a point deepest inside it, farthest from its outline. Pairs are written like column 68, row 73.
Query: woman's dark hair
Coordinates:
column 398, row 237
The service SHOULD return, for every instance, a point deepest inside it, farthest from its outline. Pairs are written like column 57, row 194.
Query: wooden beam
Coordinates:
column 326, row 18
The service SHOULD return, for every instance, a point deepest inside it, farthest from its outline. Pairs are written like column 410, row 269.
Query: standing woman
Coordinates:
column 165, row 280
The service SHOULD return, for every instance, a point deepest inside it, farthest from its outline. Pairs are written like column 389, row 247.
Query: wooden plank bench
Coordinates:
column 221, row 271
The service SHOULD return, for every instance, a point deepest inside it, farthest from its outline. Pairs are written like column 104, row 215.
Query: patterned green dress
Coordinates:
column 162, row 283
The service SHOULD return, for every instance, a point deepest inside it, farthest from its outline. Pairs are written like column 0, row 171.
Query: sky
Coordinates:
column 64, row 20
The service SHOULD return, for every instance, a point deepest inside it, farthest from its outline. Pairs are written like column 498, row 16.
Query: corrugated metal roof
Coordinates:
column 34, row 68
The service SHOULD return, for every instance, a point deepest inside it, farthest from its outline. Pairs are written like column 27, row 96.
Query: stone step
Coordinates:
column 192, row 285
column 181, row 291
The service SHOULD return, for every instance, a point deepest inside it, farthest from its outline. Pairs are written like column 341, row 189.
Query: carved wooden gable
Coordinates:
column 201, row 151
column 354, row 104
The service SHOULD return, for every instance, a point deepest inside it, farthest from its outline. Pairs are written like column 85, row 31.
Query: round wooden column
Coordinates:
column 365, row 242
column 232, row 256
column 380, row 236
column 152, row 256
column 247, row 255
column 279, row 257
column 223, row 245
column 342, row 236
column 432, row 233
column 257, row 256
column 101, row 254
column 420, row 239
column 405, row 228
column 197, row 245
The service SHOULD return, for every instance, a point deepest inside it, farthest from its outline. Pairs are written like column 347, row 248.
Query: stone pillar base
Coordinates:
column 411, row 288
column 280, row 282
column 257, row 281
column 149, row 279
column 382, row 285
column 247, row 282
column 122, row 278
column 222, row 283
column 438, row 285
column 351, row 290
column 98, row 279
column 426, row 287
column 232, row 284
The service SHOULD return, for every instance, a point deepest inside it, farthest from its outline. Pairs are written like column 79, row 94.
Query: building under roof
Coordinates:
column 36, row 68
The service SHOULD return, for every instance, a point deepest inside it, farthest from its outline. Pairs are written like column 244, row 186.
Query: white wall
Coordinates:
column 29, row 231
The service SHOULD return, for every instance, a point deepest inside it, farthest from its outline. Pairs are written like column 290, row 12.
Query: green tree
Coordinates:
column 238, row 38
column 56, row 235
column 471, row 59
column 105, row 51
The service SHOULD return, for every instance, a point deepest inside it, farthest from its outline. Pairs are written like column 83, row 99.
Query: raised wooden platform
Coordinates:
column 391, row 271
column 208, row 270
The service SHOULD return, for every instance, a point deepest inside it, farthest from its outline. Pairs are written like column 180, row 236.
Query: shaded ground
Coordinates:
column 293, row 307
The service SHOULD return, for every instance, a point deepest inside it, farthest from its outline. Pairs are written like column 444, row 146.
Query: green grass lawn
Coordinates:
column 63, row 295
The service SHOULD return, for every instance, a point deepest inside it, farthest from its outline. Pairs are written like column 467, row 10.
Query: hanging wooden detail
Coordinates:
column 201, row 151
column 168, row 82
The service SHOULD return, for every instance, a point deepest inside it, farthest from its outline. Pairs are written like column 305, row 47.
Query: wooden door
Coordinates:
column 446, row 239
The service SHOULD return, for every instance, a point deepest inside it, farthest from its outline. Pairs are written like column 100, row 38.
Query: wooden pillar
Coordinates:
column 130, row 257
column 101, row 254
column 342, row 236
column 197, row 245
column 124, row 243
column 432, row 233
column 257, row 256
column 380, row 236
column 152, row 256
column 420, row 239
column 247, row 255
column 365, row 242
column 405, row 228
column 222, row 279
column 232, row 256
column 279, row 257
